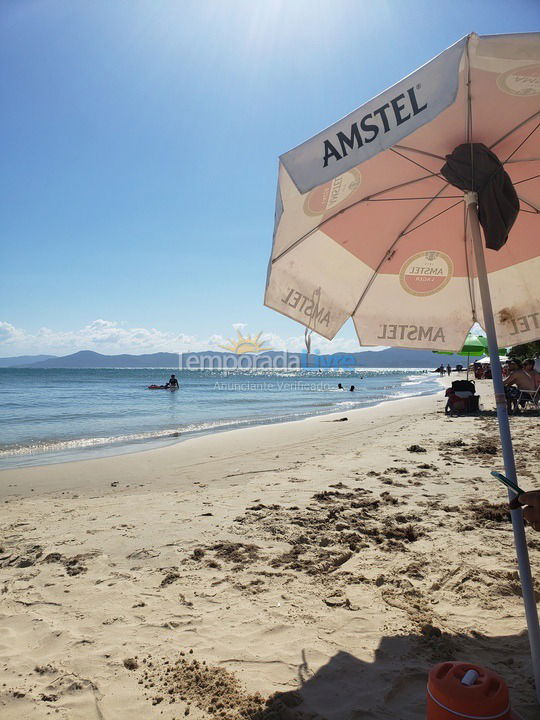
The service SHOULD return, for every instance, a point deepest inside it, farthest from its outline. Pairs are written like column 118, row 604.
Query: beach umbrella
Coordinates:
column 477, row 345
column 380, row 218
column 474, row 346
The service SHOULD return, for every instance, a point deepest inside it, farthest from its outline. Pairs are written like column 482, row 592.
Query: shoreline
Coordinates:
column 127, row 462
column 33, row 460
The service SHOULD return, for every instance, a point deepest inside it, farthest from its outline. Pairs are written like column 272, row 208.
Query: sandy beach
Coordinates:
column 329, row 562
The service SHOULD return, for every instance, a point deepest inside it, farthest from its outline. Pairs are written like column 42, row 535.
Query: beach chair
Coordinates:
column 462, row 398
column 529, row 396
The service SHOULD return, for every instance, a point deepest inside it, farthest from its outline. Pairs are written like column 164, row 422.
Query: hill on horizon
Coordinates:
column 23, row 360
column 88, row 359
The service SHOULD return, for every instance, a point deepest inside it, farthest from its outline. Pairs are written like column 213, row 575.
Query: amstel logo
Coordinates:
column 328, row 196
column 426, row 273
column 521, row 81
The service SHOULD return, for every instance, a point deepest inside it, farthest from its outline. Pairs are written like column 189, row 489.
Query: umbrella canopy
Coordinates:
column 474, row 345
column 368, row 227
column 378, row 218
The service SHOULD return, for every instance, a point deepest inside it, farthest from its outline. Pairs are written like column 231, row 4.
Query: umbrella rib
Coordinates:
column 339, row 212
column 400, row 185
column 526, row 180
column 392, row 149
column 432, row 218
column 420, row 152
column 396, row 187
column 424, row 197
column 521, row 124
column 523, row 142
column 536, row 211
column 388, row 254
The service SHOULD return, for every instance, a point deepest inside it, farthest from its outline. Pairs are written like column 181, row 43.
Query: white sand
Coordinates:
column 348, row 597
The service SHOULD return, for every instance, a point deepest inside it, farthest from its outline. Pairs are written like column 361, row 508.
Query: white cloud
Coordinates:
column 111, row 337
column 105, row 336
column 9, row 334
column 239, row 327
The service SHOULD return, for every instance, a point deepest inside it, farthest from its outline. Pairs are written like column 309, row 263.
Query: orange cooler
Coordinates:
column 462, row 691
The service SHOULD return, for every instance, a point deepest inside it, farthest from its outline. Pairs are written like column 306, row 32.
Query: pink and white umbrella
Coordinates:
column 377, row 219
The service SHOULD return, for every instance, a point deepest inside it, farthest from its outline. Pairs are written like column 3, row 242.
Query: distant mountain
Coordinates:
column 390, row 358
column 91, row 359
column 405, row 358
column 23, row 360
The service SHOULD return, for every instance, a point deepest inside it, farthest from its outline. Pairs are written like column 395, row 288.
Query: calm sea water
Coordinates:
column 58, row 415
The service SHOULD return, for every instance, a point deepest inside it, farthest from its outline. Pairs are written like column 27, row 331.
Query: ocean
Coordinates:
column 57, row 415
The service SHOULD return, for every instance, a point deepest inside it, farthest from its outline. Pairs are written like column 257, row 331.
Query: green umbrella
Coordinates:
column 474, row 346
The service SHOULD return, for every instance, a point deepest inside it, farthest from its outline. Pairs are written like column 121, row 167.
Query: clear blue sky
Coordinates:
column 140, row 141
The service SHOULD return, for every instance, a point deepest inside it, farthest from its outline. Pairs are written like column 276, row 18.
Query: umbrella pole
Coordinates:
column 520, row 542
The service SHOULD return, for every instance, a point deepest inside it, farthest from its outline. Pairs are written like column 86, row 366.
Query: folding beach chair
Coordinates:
column 532, row 396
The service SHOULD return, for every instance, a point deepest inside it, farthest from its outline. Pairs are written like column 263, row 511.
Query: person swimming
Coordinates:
column 172, row 384
column 351, row 389
column 340, row 386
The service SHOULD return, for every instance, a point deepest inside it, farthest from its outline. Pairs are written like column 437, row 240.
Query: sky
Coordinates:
column 140, row 145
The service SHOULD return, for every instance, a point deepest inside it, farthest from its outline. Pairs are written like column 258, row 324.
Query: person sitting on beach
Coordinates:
column 173, row 383
column 533, row 376
column 529, row 368
column 530, row 501
column 520, row 378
